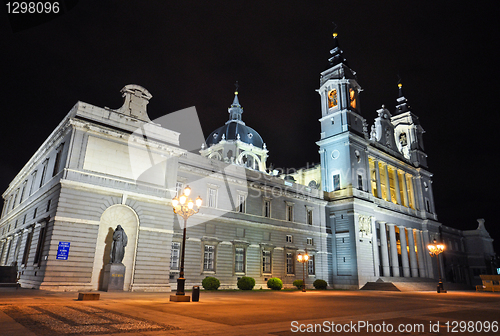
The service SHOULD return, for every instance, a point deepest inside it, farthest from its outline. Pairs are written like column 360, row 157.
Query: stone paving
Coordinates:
column 28, row 312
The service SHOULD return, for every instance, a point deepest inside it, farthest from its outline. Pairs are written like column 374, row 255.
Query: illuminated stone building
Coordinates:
column 366, row 212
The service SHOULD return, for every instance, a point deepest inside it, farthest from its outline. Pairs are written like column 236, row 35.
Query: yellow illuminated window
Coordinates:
column 401, row 190
column 352, row 97
column 332, row 98
column 392, row 185
column 383, row 179
column 411, row 197
column 373, row 174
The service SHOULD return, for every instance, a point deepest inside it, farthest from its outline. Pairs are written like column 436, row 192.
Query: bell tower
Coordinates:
column 340, row 118
column 339, row 91
column 408, row 132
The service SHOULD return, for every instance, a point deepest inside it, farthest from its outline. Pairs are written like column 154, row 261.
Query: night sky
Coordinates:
column 190, row 53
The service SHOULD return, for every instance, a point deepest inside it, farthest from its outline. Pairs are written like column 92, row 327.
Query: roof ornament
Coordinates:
column 336, row 51
column 402, row 101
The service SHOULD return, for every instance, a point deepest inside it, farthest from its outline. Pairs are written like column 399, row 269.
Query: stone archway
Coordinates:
column 115, row 215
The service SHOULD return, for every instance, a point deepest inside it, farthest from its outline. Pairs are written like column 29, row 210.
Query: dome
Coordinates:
column 235, row 129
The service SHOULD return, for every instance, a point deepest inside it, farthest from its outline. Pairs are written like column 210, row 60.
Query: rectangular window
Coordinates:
column 289, row 239
column 48, row 206
column 383, row 181
column 39, row 246
column 27, row 247
column 309, row 216
column 266, row 261
column 15, row 199
column 208, row 258
column 33, row 180
column 57, row 163
column 44, row 172
column 310, row 241
column 373, row 177
column 34, row 213
column 22, row 191
column 239, row 260
column 336, row 182
column 267, row 208
column 401, row 189
column 289, row 212
column 409, row 186
column 241, row 203
column 212, row 198
column 174, row 256
column 360, row 182
column 310, row 266
column 290, row 263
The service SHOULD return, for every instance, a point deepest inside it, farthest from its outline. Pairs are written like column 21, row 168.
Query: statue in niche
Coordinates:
column 120, row 240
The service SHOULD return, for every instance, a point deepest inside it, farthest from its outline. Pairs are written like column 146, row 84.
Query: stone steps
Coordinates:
column 380, row 286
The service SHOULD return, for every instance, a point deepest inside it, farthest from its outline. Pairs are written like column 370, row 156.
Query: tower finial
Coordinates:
column 336, row 52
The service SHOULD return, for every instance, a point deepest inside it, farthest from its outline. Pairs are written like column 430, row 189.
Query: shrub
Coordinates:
column 210, row 283
column 246, row 283
column 275, row 283
column 320, row 284
column 298, row 284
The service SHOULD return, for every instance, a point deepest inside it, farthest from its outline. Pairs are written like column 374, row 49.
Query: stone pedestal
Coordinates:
column 114, row 277
column 180, row 298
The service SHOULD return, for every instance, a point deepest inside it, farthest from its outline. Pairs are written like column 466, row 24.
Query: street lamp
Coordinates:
column 184, row 207
column 303, row 259
column 434, row 250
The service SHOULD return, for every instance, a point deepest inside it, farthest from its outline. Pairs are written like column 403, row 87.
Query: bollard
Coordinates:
column 196, row 294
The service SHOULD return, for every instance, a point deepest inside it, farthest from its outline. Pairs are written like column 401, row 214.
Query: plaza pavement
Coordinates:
column 29, row 312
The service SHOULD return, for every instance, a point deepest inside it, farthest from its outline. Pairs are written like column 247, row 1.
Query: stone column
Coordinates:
column 405, row 191
column 421, row 251
column 413, row 254
column 387, row 183
column 396, row 186
column 404, row 252
column 3, row 242
column 377, row 176
column 429, row 265
column 394, row 250
column 384, row 250
column 376, row 260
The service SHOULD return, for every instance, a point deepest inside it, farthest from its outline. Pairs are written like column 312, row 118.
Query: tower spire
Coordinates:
column 402, row 101
column 336, row 52
column 235, row 110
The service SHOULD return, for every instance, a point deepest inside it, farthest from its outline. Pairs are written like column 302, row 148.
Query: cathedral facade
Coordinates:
column 366, row 212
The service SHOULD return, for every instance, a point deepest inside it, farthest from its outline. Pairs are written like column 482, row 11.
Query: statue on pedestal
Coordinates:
column 120, row 240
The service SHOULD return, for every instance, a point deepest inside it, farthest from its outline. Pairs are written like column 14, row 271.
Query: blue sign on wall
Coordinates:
column 63, row 251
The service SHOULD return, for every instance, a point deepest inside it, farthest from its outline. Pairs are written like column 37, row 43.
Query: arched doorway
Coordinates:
column 115, row 215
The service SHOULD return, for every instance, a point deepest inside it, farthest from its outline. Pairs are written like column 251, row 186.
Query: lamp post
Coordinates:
column 184, row 207
column 303, row 259
column 434, row 250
